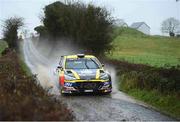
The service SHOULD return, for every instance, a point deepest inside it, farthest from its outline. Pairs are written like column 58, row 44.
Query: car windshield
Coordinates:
column 81, row 63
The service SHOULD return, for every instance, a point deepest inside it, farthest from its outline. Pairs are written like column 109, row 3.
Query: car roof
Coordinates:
column 76, row 56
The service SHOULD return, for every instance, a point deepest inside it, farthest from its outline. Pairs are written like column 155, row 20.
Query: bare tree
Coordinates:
column 170, row 26
column 10, row 31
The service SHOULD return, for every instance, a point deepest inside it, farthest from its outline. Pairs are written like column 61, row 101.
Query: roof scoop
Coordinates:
column 80, row 55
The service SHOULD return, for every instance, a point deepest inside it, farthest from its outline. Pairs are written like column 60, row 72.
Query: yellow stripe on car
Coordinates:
column 97, row 74
column 75, row 74
column 71, row 56
column 74, row 81
column 75, row 56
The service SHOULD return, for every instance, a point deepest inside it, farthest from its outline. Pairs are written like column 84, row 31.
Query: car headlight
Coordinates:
column 106, row 85
column 104, row 76
column 69, row 77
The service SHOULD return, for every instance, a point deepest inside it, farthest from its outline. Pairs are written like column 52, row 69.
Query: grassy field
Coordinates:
column 135, row 47
column 3, row 45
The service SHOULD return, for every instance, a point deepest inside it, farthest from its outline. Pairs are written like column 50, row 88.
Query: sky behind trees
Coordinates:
column 153, row 12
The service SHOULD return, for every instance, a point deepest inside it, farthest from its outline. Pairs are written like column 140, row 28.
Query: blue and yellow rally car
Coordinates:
column 81, row 74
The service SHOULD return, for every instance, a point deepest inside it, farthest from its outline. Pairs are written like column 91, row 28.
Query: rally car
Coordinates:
column 83, row 74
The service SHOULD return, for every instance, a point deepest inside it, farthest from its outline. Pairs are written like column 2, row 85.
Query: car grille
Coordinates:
column 88, row 85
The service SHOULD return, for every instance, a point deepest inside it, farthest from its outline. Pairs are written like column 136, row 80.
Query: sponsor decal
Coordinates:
column 68, row 84
column 85, row 71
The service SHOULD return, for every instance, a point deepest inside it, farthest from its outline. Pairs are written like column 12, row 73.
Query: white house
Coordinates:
column 141, row 26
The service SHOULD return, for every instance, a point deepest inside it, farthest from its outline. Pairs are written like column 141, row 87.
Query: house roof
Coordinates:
column 136, row 25
column 120, row 22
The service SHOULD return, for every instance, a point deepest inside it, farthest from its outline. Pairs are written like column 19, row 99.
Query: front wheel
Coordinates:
column 61, row 91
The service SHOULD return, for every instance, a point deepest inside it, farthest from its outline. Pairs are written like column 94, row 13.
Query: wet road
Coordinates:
column 108, row 108
column 117, row 106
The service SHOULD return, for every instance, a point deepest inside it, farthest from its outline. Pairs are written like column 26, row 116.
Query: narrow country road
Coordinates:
column 42, row 58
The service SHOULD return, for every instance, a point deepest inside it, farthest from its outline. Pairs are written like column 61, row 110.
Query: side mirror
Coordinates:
column 102, row 65
column 56, row 71
column 59, row 67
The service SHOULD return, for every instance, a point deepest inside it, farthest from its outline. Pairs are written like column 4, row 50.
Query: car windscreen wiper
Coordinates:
column 86, row 64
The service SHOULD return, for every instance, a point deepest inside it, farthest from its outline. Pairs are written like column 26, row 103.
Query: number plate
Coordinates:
column 88, row 90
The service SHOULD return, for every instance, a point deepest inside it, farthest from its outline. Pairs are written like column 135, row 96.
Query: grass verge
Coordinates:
column 159, row 87
column 169, row 104
column 3, row 45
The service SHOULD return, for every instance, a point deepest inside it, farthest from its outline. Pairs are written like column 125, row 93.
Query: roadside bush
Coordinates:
column 6, row 51
column 22, row 98
column 152, row 81
column 178, row 35
column 129, row 80
column 140, row 76
column 10, row 31
column 134, row 79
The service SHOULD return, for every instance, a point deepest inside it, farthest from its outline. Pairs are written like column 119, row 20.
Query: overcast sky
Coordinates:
column 153, row 12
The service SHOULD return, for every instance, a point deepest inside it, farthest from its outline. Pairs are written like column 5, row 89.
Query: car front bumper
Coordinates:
column 85, row 91
column 87, row 87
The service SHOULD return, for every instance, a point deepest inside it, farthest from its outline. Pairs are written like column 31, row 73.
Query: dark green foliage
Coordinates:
column 10, row 31
column 178, row 35
column 54, row 19
column 150, row 81
column 172, row 34
column 140, row 76
column 42, row 31
column 86, row 25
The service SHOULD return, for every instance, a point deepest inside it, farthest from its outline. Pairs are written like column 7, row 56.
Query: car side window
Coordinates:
column 61, row 62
